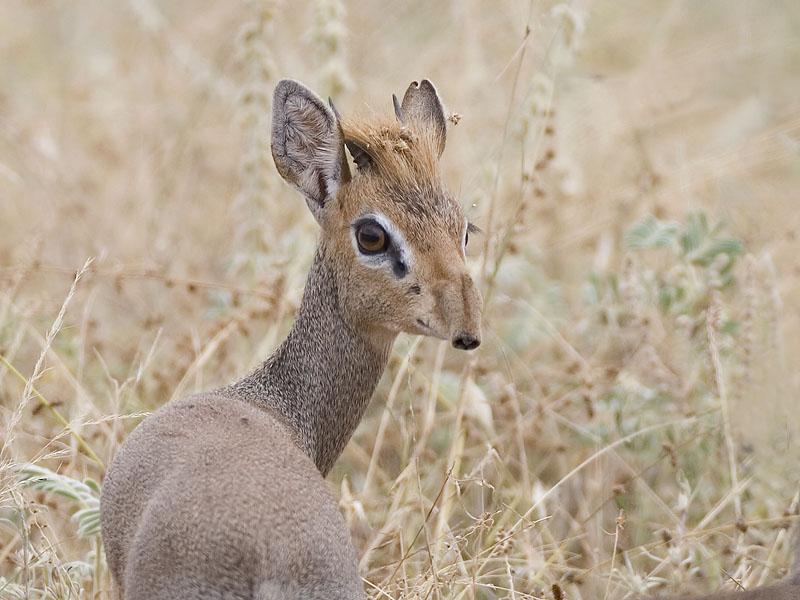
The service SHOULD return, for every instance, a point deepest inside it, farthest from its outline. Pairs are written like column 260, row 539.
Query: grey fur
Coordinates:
column 345, row 367
column 221, row 495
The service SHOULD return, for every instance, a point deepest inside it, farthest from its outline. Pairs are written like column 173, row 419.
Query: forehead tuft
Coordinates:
column 399, row 150
column 406, row 171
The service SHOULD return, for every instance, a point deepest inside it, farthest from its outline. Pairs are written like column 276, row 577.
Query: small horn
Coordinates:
column 343, row 158
column 333, row 108
column 397, row 110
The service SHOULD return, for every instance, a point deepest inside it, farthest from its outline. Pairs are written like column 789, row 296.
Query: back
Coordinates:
column 211, row 493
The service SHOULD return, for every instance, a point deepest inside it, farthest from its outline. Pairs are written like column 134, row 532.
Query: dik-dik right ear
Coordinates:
column 308, row 145
column 421, row 103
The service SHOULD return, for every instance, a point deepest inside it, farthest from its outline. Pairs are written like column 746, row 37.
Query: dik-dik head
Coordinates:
column 394, row 237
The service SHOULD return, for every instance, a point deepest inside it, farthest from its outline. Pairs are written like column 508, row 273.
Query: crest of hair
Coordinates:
column 401, row 152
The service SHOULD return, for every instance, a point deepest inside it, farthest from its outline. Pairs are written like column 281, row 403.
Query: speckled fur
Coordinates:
column 222, row 495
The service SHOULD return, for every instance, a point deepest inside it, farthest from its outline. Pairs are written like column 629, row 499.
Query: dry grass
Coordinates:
column 630, row 421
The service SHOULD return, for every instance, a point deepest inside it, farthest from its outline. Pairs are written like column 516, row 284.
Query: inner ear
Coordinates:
column 307, row 145
column 361, row 157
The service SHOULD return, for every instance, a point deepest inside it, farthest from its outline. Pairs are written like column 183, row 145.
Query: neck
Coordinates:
column 321, row 379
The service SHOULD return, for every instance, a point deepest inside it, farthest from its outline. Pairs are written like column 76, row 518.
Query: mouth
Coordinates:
column 428, row 330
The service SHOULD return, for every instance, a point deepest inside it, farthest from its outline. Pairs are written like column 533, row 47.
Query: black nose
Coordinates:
column 465, row 341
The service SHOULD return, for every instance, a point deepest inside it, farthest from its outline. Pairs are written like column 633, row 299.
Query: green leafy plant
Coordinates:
column 85, row 493
column 695, row 242
column 700, row 257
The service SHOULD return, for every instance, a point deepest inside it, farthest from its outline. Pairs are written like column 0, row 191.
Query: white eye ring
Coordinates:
column 393, row 233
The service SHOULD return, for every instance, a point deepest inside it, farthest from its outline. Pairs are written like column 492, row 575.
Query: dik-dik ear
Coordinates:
column 308, row 145
column 421, row 104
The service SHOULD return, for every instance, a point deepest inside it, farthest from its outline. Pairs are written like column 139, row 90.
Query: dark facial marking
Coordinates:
column 399, row 267
column 415, row 289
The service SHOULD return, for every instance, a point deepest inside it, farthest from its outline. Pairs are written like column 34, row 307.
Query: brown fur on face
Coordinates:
column 402, row 182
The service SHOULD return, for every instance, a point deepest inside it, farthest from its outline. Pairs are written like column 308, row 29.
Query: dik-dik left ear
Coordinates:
column 422, row 104
column 308, row 145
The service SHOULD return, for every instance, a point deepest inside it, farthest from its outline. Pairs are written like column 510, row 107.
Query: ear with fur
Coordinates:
column 307, row 145
column 421, row 104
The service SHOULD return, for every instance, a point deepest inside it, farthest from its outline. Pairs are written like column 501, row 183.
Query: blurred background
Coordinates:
column 629, row 425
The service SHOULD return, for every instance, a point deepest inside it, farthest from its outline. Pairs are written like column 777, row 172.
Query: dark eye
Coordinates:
column 371, row 238
column 466, row 238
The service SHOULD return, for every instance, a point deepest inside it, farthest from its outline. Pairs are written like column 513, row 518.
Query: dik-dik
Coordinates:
column 221, row 494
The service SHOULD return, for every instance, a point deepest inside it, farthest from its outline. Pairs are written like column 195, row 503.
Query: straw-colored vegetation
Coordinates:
column 630, row 423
